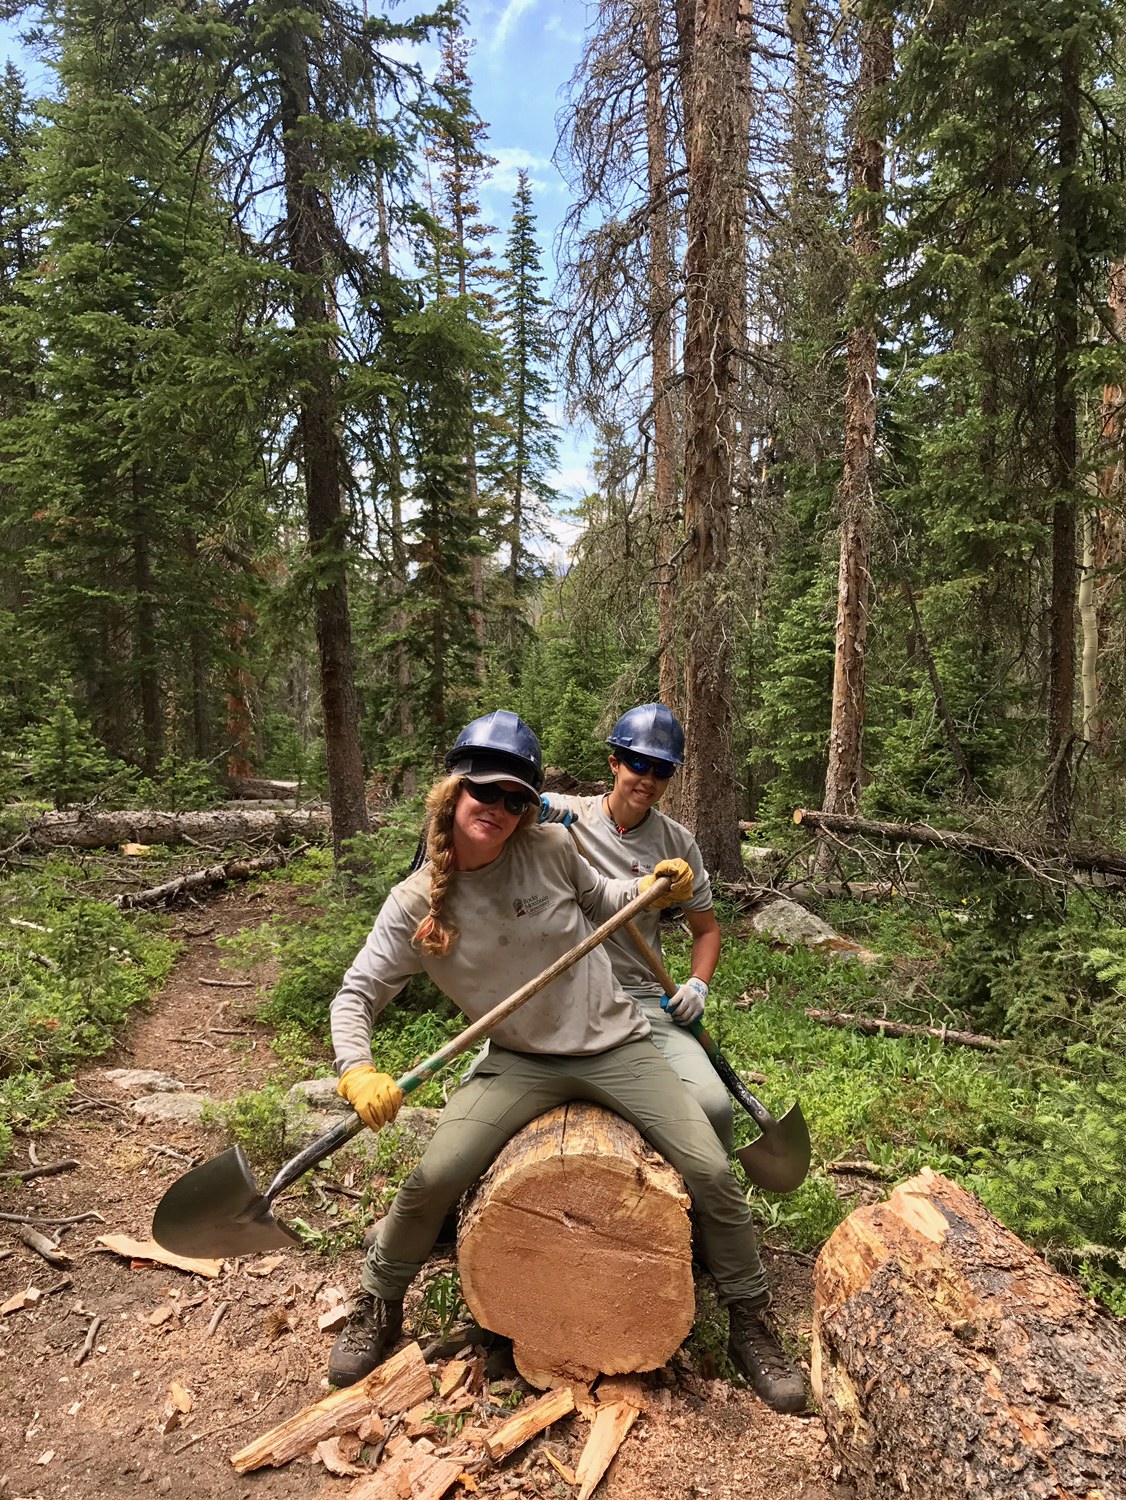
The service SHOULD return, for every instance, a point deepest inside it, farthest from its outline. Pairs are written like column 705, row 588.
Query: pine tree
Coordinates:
column 526, row 450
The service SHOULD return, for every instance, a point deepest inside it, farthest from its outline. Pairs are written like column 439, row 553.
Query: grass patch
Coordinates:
column 71, row 968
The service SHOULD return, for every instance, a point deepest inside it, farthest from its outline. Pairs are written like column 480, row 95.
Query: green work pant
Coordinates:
column 690, row 1063
column 509, row 1089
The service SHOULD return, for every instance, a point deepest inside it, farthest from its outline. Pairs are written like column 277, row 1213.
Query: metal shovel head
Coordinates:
column 217, row 1210
column 779, row 1160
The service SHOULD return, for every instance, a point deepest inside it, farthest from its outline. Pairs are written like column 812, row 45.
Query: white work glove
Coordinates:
column 687, row 1005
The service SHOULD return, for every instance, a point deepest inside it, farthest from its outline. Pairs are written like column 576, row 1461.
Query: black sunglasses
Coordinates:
column 490, row 793
column 641, row 765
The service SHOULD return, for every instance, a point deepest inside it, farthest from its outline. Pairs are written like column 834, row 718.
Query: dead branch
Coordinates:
column 30, row 1218
column 205, row 880
column 51, row 1169
column 88, row 1342
column 878, row 1026
column 1037, row 857
column 42, row 1246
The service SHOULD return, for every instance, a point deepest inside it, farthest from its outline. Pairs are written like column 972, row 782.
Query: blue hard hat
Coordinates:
column 498, row 746
column 650, row 729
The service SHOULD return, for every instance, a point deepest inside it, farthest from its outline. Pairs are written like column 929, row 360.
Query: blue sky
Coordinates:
column 525, row 52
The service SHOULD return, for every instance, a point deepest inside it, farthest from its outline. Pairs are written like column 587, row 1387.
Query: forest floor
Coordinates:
column 101, row 1427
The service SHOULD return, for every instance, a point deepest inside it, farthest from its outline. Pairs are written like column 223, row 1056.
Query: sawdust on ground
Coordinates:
column 104, row 1427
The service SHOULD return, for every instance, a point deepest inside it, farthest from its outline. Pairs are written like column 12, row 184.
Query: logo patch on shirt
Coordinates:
column 528, row 906
column 639, row 867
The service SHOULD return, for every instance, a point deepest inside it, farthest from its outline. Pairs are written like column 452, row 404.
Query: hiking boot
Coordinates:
column 371, row 1332
column 756, row 1353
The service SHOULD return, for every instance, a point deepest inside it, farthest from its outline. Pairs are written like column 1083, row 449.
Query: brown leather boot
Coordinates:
column 756, row 1352
column 371, row 1332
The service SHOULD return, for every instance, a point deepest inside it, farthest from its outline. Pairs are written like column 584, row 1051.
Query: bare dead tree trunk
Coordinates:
column 144, row 628
column 714, row 71
column 660, row 361
column 320, row 445
column 1061, row 660
column 858, row 481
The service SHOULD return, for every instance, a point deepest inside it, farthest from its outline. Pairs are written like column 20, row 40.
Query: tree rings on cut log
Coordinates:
column 950, row 1359
column 577, row 1246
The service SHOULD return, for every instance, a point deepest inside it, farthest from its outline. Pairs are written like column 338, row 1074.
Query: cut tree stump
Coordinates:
column 576, row 1245
column 950, row 1359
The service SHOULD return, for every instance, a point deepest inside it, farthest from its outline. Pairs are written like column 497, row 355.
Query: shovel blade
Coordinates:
column 217, row 1210
column 779, row 1160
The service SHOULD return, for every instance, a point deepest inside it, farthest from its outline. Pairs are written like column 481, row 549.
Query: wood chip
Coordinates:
column 330, row 1453
column 372, row 1429
column 452, row 1376
column 131, row 1249
column 567, row 1475
column 608, row 1432
column 27, row 1298
column 431, row 1477
column 180, row 1398
column 333, row 1320
column 264, row 1267
column 160, row 1316
column 527, row 1423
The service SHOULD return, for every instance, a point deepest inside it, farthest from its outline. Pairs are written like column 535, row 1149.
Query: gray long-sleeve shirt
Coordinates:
column 629, row 855
column 515, row 917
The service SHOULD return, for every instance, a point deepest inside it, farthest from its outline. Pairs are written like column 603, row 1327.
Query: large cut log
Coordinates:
column 88, row 829
column 950, row 1359
column 577, row 1246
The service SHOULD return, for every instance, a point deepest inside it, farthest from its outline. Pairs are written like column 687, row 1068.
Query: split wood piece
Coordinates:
column 43, row 1246
column 46, row 1169
column 430, row 1476
column 198, row 880
column 875, row 1026
column 452, row 1376
column 608, row 1432
column 576, row 1245
column 526, row 1424
column 395, row 1386
column 85, row 829
column 949, row 1357
column 1033, row 855
column 122, row 1244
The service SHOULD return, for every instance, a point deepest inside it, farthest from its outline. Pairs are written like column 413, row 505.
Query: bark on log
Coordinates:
column 262, row 787
column 950, row 1359
column 1032, row 854
column 86, row 829
column 577, row 1246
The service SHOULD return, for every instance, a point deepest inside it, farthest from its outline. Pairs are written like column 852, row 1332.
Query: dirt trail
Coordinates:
column 97, row 1428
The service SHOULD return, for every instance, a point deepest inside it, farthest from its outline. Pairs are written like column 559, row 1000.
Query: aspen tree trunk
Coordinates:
column 1110, row 548
column 858, row 481
column 714, row 72
column 1061, row 658
column 661, row 365
column 320, row 444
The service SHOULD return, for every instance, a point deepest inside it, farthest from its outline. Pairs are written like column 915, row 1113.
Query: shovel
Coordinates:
column 217, row 1209
column 779, row 1160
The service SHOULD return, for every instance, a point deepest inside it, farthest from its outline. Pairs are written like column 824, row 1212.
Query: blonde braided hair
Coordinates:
column 433, row 934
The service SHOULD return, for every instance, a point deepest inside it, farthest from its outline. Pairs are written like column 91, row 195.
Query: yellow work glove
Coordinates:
column 679, row 871
column 375, row 1096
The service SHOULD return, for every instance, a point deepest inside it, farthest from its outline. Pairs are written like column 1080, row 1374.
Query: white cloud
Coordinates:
column 509, row 159
column 510, row 15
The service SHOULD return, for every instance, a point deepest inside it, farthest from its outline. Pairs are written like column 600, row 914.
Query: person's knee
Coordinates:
column 716, row 1104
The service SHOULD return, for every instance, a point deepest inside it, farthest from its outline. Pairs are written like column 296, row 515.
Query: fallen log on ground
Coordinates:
column 1034, row 855
column 576, row 1245
column 877, row 1026
column 262, row 788
column 85, row 828
column 202, row 880
column 950, row 1359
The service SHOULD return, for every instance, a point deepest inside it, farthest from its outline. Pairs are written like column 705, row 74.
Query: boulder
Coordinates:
column 143, row 1081
column 171, row 1109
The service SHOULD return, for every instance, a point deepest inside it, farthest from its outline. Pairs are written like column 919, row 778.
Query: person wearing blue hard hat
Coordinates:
column 499, row 899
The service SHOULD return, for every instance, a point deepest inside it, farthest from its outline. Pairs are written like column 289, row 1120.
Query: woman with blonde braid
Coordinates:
column 499, row 900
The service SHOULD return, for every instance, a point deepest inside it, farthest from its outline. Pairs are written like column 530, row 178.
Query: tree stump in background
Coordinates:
column 950, row 1359
column 577, row 1246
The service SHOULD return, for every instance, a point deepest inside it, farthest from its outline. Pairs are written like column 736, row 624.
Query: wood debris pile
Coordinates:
column 408, row 1433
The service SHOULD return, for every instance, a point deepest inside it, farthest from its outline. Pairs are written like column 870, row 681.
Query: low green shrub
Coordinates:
column 70, row 970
